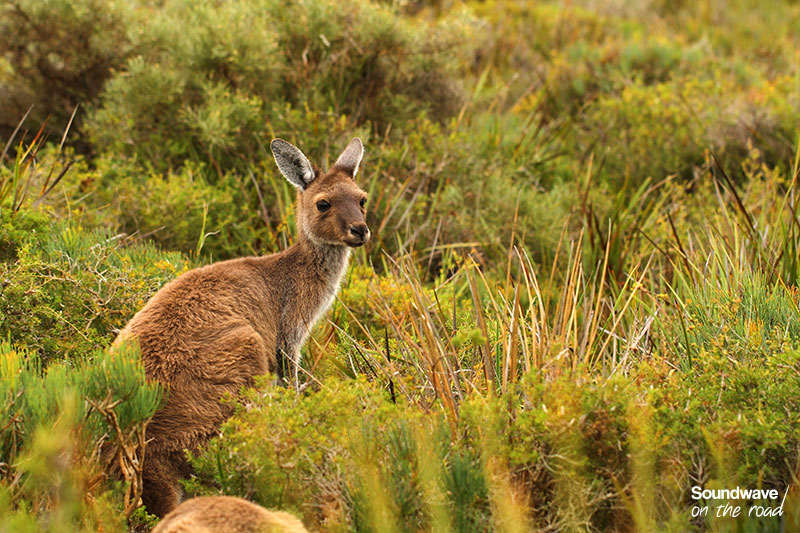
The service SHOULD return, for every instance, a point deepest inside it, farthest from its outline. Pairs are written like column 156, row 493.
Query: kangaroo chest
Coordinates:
column 308, row 301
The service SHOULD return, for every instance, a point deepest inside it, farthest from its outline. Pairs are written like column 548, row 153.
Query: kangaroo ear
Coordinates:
column 293, row 164
column 351, row 157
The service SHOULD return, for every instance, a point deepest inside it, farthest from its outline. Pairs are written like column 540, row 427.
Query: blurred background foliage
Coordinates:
column 581, row 295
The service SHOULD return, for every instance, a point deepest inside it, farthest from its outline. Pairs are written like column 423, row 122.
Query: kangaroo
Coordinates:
column 207, row 333
column 216, row 514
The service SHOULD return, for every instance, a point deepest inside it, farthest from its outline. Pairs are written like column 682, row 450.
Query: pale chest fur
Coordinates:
column 313, row 301
column 329, row 290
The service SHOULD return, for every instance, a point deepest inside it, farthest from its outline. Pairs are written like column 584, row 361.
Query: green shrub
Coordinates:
column 65, row 427
column 177, row 210
column 69, row 291
column 186, row 210
column 726, row 424
column 347, row 459
column 27, row 226
column 565, row 441
column 58, row 54
column 211, row 82
column 653, row 131
column 284, row 451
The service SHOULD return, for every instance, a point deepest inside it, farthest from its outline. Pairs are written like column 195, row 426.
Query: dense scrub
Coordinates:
column 580, row 300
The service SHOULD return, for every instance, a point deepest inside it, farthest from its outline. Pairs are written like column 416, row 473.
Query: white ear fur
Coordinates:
column 293, row 164
column 351, row 157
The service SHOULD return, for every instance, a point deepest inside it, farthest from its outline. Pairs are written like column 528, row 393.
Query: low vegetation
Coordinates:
column 580, row 300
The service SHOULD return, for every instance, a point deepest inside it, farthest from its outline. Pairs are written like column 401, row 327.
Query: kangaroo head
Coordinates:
column 331, row 208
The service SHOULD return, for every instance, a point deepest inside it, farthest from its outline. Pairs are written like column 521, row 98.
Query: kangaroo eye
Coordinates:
column 323, row 206
column 363, row 202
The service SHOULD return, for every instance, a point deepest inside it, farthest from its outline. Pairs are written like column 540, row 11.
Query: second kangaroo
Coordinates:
column 210, row 331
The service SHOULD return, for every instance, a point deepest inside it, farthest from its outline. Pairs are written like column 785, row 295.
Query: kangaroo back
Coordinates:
column 216, row 514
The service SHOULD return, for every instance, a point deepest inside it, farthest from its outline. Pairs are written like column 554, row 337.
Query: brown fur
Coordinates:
column 223, row 514
column 206, row 334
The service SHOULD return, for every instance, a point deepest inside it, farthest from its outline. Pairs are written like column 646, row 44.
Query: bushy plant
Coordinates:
column 298, row 459
column 564, row 441
column 179, row 211
column 69, row 291
column 28, row 226
column 57, row 55
column 725, row 424
column 67, row 428
column 665, row 129
column 211, row 82
column 347, row 458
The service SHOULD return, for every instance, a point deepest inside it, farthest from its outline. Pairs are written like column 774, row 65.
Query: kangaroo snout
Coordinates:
column 361, row 232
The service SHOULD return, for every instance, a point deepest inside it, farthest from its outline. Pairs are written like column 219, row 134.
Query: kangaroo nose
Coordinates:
column 359, row 230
